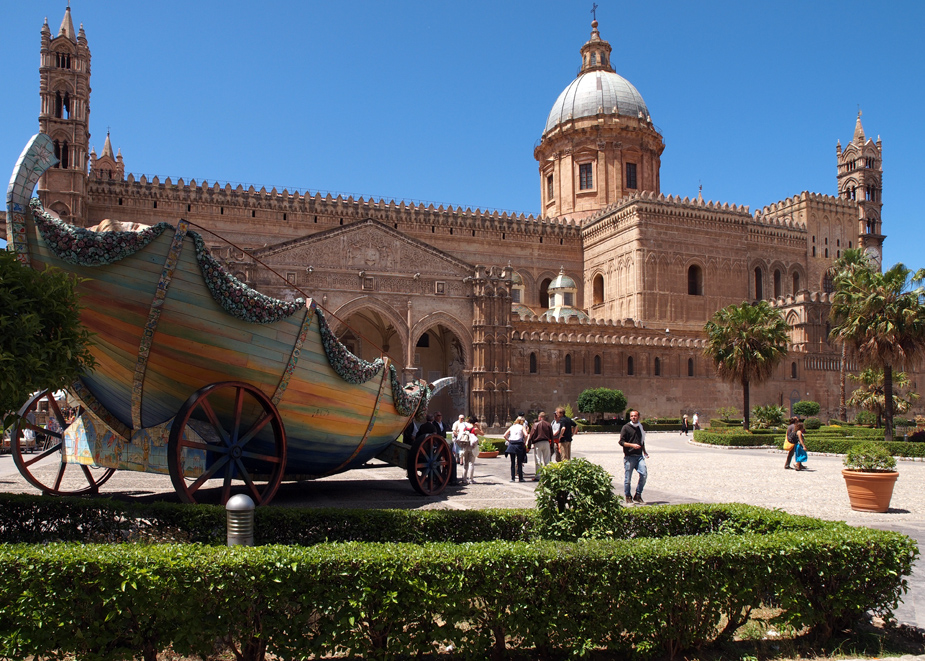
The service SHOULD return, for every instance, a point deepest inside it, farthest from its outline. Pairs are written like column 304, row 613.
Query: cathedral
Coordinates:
column 610, row 285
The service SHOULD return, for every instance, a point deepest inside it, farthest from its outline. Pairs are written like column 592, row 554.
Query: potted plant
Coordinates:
column 870, row 474
column 487, row 449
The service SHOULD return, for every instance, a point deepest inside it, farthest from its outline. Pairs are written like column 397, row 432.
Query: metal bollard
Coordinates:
column 239, row 511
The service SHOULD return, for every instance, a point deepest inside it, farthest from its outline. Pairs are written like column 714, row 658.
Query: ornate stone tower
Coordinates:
column 860, row 178
column 491, row 343
column 64, row 116
column 107, row 167
column 599, row 144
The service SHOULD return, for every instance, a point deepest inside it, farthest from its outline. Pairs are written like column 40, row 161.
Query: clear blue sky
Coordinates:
column 443, row 101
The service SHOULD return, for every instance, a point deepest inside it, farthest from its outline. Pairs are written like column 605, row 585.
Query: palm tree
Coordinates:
column 870, row 396
column 851, row 259
column 746, row 343
column 883, row 320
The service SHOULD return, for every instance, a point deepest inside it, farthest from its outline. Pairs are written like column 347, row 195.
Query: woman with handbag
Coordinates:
column 799, row 453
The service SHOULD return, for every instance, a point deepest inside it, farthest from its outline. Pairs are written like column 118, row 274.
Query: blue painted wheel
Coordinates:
column 429, row 464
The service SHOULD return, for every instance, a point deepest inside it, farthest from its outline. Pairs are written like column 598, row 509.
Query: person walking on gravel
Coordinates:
column 633, row 441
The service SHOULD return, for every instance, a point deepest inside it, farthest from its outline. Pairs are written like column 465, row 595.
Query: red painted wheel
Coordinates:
column 239, row 437
column 63, row 479
column 429, row 464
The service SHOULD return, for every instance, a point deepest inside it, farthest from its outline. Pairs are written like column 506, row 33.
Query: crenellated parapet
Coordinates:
column 603, row 332
column 224, row 199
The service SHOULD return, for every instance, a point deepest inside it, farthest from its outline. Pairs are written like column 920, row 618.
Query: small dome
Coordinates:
column 594, row 93
column 516, row 278
column 522, row 311
column 562, row 281
column 564, row 313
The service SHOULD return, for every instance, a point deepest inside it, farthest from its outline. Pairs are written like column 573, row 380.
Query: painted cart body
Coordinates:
column 169, row 321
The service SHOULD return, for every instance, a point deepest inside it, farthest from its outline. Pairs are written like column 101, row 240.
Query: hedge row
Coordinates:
column 382, row 600
column 733, row 439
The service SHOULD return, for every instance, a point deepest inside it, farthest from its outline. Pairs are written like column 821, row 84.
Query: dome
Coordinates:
column 564, row 314
column 597, row 92
column 562, row 281
column 516, row 278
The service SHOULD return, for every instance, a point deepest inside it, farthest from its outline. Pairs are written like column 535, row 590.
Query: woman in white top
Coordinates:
column 516, row 437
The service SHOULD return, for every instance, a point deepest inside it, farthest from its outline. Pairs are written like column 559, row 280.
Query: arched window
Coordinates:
column 695, row 280
column 793, row 370
column 658, row 367
column 759, row 286
column 690, row 367
column 568, row 363
column 629, row 366
column 598, row 289
column 796, row 283
column 532, row 363
column 778, row 290
column 597, row 364
column 544, row 292
column 828, row 286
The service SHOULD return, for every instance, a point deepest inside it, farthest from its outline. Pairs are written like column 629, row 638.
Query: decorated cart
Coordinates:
column 199, row 376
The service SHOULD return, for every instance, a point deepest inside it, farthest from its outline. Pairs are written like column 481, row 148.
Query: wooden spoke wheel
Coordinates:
column 64, row 479
column 429, row 464
column 241, row 436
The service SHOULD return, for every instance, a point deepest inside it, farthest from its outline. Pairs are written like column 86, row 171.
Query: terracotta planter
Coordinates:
column 869, row 492
column 488, row 455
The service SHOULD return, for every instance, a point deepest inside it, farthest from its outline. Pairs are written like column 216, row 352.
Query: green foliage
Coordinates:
column 732, row 438
column 871, row 395
column 727, row 412
column 42, row 343
column 745, row 343
column 869, row 458
column 486, row 445
column 574, row 500
column 812, row 423
column 865, row 418
column 882, row 319
column 601, row 400
column 569, row 412
column 771, row 415
column 806, row 408
column 699, row 566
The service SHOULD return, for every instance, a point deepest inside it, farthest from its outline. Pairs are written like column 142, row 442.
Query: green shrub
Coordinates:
column 725, row 423
column 727, row 412
column 733, row 438
column 812, row 423
column 865, row 418
column 869, row 458
column 575, row 499
column 806, row 409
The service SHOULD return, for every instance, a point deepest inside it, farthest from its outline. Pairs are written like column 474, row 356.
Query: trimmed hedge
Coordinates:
column 382, row 600
column 729, row 438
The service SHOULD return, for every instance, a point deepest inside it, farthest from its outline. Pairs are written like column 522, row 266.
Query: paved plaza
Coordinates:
column 679, row 472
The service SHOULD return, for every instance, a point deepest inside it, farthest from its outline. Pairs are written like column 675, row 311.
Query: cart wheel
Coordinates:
column 228, row 417
column 429, row 464
column 81, row 480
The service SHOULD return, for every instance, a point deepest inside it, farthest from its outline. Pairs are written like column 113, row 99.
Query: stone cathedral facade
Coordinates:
column 609, row 285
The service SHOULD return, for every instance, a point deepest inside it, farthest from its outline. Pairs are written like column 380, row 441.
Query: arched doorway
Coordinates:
column 438, row 353
column 368, row 334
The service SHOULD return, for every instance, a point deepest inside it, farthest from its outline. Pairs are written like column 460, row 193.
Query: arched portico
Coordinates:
column 443, row 347
column 367, row 326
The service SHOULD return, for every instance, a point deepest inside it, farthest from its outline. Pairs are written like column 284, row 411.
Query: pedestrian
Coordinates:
column 469, row 440
column 554, row 453
column 427, row 428
column 789, row 442
column 540, row 442
column 565, row 434
column 799, row 454
column 696, row 421
column 457, row 430
column 516, row 437
column 633, row 441
column 684, row 426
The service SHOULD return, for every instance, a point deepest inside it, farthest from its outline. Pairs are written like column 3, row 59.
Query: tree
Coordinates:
column 746, row 342
column 42, row 342
column 806, row 408
column 850, row 260
column 871, row 396
column 601, row 400
column 882, row 319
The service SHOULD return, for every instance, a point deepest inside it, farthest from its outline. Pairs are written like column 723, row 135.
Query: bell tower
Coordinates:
column 64, row 116
column 860, row 178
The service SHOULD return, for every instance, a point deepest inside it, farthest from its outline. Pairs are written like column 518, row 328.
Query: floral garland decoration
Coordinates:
column 412, row 398
column 349, row 367
column 237, row 298
column 83, row 247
